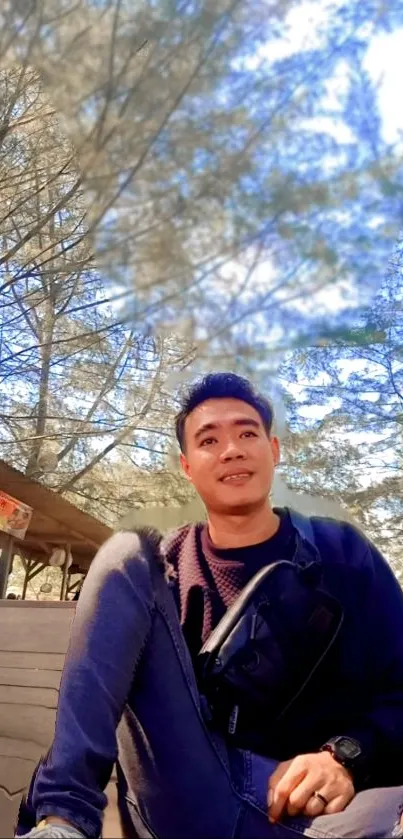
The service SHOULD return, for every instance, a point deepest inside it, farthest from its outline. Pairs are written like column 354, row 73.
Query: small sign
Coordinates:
column 15, row 516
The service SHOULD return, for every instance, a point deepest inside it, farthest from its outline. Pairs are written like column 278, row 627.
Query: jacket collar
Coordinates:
column 306, row 551
column 303, row 525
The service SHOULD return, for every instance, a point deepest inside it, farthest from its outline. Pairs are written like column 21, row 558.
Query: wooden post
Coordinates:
column 7, row 553
column 63, row 589
column 71, row 589
column 27, row 567
column 32, row 568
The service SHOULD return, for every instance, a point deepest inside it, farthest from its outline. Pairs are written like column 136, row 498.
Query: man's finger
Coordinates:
column 275, row 778
column 280, row 771
column 302, row 796
column 338, row 804
column 280, row 793
column 315, row 806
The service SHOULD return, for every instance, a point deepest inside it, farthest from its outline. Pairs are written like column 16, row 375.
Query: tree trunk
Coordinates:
column 46, row 355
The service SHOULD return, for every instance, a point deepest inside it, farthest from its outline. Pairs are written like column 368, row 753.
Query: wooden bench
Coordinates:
column 33, row 643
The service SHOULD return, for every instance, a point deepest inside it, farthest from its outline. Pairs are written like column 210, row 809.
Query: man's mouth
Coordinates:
column 236, row 478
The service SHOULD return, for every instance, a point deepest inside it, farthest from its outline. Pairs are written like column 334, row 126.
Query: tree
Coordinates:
column 170, row 191
column 76, row 381
column 355, row 450
column 229, row 159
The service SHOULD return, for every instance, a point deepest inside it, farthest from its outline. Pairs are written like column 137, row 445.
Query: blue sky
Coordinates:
column 304, row 26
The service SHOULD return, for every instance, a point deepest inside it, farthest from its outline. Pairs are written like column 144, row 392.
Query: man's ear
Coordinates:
column 185, row 467
column 275, row 448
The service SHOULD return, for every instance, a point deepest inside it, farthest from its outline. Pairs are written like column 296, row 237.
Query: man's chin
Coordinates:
column 242, row 506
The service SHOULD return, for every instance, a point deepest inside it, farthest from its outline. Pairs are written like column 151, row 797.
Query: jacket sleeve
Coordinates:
column 380, row 616
column 113, row 619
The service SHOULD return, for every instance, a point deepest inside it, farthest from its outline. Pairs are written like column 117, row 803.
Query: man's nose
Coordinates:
column 231, row 451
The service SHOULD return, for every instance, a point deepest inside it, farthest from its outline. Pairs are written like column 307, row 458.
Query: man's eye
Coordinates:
column 248, row 434
column 208, row 441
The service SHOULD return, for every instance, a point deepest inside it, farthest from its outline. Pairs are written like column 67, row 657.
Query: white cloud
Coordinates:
column 384, row 64
column 305, row 27
column 335, row 128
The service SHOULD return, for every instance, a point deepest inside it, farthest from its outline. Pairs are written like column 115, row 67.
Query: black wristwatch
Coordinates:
column 349, row 753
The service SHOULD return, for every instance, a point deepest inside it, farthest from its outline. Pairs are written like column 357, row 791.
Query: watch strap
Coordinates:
column 357, row 767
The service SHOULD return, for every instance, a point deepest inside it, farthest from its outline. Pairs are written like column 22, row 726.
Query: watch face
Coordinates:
column 349, row 749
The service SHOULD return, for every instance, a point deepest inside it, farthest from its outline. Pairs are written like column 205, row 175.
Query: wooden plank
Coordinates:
column 8, row 811
column 31, row 660
column 32, row 723
column 33, row 642
column 19, row 749
column 34, row 630
column 37, row 604
column 30, row 678
column 15, row 774
column 43, row 697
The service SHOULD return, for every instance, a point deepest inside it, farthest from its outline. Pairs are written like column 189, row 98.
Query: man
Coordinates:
column 129, row 666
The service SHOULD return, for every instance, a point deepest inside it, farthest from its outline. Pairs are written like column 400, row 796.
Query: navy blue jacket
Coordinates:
column 359, row 692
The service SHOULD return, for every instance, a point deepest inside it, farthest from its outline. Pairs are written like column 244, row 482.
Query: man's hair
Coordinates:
column 222, row 386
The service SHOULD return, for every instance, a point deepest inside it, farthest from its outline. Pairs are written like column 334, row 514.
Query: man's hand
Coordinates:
column 54, row 827
column 294, row 782
column 54, row 831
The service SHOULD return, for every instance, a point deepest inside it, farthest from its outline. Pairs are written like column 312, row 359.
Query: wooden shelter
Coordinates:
column 55, row 522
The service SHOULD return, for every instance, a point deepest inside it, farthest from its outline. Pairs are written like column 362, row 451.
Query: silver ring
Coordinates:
column 320, row 797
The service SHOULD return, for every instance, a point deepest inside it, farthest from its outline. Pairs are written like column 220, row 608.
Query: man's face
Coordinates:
column 228, row 456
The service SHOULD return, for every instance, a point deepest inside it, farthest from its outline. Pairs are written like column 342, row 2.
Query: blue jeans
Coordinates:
column 176, row 778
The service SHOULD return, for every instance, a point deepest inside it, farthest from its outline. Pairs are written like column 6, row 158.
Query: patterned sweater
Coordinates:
column 206, row 580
